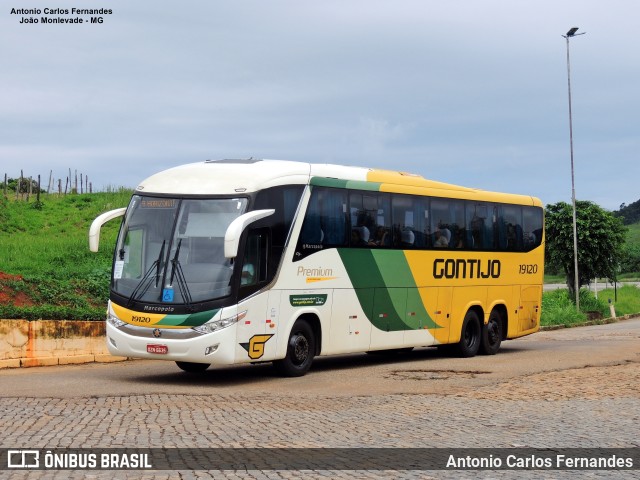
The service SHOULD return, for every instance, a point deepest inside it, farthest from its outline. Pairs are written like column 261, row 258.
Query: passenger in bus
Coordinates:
column 407, row 238
column 442, row 239
column 381, row 238
column 360, row 237
column 459, row 241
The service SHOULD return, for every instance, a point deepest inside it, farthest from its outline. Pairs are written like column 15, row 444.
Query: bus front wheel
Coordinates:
column 192, row 367
column 301, row 348
column 470, row 337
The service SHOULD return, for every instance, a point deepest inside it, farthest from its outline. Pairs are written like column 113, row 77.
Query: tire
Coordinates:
column 301, row 349
column 470, row 336
column 193, row 367
column 491, row 335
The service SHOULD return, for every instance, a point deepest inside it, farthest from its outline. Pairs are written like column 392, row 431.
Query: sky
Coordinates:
column 471, row 92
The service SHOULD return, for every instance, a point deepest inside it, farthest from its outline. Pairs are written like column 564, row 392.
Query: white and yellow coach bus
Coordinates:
column 240, row 261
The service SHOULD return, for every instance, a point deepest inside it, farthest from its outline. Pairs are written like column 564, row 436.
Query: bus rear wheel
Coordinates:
column 193, row 367
column 301, row 349
column 491, row 334
column 470, row 337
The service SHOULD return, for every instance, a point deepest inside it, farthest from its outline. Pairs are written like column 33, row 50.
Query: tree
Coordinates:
column 629, row 213
column 630, row 261
column 601, row 237
column 23, row 186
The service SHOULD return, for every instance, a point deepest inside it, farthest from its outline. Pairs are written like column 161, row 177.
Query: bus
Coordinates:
column 249, row 261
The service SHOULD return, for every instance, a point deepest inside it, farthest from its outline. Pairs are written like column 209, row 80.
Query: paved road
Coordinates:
column 593, row 287
column 565, row 388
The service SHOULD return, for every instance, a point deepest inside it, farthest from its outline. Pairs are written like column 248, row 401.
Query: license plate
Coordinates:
column 161, row 349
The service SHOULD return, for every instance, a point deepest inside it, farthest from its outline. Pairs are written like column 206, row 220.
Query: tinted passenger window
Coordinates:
column 532, row 221
column 447, row 223
column 370, row 216
column 410, row 221
column 480, row 225
column 325, row 222
column 510, row 228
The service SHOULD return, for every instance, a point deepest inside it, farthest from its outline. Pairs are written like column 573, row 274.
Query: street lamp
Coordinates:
column 572, row 33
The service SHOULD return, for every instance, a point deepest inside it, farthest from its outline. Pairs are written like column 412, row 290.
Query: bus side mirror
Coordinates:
column 96, row 225
column 235, row 229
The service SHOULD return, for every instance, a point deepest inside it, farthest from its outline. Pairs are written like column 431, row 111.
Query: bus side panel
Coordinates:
column 423, row 328
column 530, row 298
column 295, row 304
column 442, row 314
column 515, row 312
column 252, row 338
column 389, row 310
column 350, row 329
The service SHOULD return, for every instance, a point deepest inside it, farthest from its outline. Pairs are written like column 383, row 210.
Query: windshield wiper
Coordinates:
column 176, row 270
column 146, row 280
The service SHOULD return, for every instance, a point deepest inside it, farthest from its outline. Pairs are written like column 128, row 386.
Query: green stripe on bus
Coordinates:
column 386, row 276
column 396, row 272
column 190, row 320
column 353, row 184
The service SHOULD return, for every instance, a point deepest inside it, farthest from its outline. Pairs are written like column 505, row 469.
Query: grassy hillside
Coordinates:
column 46, row 269
column 633, row 235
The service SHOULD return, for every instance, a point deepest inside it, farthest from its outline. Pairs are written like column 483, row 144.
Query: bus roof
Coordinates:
column 232, row 177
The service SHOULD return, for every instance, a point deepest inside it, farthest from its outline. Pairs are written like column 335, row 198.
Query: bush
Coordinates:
column 589, row 303
column 559, row 309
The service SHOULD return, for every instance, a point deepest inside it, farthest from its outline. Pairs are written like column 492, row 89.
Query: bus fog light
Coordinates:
column 211, row 349
column 113, row 342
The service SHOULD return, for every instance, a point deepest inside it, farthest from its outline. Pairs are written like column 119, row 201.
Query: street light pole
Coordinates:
column 576, row 282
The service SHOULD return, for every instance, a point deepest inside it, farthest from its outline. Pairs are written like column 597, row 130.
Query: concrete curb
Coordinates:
column 40, row 343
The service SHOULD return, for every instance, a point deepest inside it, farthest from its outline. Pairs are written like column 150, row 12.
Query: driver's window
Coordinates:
column 131, row 254
column 254, row 266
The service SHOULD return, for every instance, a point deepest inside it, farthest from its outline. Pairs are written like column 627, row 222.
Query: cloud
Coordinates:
column 466, row 92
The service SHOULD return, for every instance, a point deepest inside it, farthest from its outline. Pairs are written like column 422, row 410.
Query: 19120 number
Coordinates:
column 528, row 269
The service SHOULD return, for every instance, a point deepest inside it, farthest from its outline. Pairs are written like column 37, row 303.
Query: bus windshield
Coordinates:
column 171, row 250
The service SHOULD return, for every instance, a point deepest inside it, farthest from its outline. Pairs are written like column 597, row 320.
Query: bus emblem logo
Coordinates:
column 255, row 346
column 157, row 332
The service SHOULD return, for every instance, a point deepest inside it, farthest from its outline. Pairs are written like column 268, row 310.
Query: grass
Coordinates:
column 633, row 234
column 45, row 248
column 628, row 301
column 559, row 309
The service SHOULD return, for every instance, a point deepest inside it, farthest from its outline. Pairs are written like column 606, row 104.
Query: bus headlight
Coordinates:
column 114, row 321
column 213, row 326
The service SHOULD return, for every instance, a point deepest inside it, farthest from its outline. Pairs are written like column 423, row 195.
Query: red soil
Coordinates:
column 8, row 295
